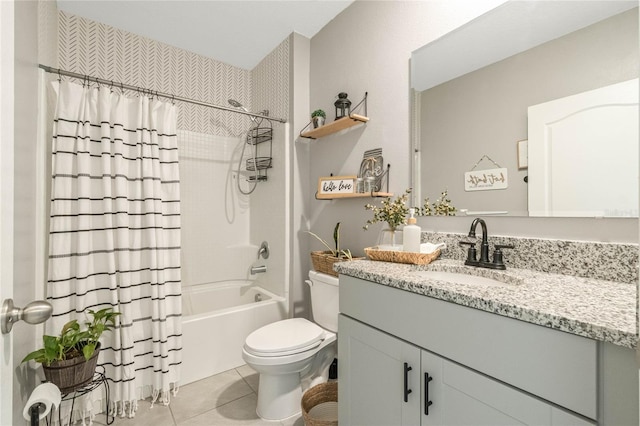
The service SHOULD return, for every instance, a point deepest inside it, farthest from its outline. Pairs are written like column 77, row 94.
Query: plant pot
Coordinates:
column 323, row 262
column 72, row 374
column 318, row 121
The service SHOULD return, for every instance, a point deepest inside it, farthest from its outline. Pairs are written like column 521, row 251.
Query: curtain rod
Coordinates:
column 153, row 92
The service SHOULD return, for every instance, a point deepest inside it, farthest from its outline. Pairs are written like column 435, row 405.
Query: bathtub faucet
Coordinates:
column 258, row 269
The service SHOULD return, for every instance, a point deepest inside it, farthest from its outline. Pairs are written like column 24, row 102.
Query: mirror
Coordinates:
column 473, row 89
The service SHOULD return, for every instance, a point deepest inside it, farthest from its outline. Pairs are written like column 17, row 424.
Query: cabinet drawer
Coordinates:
column 556, row 366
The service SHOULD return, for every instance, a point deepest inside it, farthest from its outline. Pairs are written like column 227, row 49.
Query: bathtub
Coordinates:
column 217, row 318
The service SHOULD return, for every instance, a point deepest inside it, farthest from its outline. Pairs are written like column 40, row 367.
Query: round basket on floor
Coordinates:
column 320, row 405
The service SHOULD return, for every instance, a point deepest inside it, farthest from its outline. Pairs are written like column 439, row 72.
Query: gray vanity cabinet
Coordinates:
column 385, row 382
column 486, row 369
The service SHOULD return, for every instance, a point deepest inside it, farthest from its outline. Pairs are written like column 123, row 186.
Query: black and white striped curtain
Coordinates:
column 115, row 233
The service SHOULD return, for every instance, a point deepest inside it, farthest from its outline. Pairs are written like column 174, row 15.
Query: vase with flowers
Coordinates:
column 394, row 213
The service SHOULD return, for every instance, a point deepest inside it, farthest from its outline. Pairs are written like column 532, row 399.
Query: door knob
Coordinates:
column 34, row 313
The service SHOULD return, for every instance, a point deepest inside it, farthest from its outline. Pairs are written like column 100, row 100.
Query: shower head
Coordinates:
column 237, row 104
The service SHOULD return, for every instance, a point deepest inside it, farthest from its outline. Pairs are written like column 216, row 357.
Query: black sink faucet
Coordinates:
column 483, row 262
column 484, row 246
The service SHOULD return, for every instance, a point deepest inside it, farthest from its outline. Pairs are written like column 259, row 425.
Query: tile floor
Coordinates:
column 228, row 398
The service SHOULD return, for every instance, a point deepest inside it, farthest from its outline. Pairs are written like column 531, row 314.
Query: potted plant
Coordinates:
column 317, row 117
column 323, row 260
column 394, row 213
column 69, row 359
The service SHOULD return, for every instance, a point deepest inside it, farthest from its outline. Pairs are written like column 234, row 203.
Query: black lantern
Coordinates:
column 343, row 106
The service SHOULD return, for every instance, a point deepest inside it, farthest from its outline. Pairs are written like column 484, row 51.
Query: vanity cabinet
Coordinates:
column 486, row 369
column 387, row 381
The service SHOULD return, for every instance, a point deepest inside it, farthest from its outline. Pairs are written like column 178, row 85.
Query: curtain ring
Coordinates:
column 111, row 87
column 59, row 76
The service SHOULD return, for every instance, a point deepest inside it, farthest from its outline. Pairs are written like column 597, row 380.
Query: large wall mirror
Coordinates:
column 531, row 110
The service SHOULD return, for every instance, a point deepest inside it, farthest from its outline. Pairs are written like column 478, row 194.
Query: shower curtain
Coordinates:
column 114, row 237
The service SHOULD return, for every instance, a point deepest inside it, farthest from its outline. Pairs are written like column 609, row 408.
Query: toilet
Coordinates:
column 294, row 351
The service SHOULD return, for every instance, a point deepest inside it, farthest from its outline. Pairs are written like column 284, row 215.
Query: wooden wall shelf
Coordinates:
column 335, row 126
column 354, row 195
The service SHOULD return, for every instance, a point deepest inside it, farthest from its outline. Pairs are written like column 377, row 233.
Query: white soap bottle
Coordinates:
column 411, row 234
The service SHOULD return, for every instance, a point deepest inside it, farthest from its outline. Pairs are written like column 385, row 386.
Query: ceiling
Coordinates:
column 240, row 33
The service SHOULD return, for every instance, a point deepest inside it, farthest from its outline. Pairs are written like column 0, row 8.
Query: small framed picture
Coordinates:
column 523, row 159
column 335, row 186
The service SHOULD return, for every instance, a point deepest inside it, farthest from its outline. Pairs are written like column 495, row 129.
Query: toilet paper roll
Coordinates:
column 47, row 394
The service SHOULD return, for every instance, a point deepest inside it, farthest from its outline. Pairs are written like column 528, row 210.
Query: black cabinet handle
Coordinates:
column 427, row 403
column 407, row 391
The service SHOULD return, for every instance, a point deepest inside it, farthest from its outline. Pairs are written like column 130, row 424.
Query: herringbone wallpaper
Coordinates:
column 99, row 50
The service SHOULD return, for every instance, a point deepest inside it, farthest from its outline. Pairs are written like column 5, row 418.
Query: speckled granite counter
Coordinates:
column 597, row 309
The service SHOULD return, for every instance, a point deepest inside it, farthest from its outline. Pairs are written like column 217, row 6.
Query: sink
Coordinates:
column 459, row 278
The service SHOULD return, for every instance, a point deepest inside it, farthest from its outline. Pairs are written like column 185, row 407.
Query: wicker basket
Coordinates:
column 323, row 262
column 397, row 256
column 320, row 405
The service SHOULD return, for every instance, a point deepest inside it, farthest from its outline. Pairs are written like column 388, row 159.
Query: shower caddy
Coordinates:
column 260, row 138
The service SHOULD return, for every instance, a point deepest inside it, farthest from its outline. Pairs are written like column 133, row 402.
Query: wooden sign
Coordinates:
column 486, row 180
column 335, row 186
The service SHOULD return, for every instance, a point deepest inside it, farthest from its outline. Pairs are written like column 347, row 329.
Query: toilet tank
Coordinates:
column 324, row 300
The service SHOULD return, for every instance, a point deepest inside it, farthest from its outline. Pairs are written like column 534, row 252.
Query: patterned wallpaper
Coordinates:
column 89, row 47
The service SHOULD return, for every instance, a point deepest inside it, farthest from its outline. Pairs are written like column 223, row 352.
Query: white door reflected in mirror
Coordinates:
column 584, row 154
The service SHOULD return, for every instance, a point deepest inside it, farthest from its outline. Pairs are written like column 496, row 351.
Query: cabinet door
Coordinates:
column 460, row 396
column 379, row 377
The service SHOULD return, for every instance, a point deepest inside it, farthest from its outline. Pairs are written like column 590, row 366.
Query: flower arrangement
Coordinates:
column 393, row 212
column 319, row 113
column 441, row 207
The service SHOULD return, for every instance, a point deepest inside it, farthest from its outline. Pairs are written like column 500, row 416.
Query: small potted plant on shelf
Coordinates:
column 323, row 260
column 69, row 359
column 317, row 117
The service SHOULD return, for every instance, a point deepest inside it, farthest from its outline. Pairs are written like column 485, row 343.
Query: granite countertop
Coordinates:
column 597, row 309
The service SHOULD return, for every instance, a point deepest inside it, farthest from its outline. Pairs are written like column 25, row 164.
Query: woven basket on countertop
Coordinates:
column 398, row 256
column 323, row 262
column 320, row 405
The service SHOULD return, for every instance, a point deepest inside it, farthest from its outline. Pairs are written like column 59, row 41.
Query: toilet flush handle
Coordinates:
column 309, row 282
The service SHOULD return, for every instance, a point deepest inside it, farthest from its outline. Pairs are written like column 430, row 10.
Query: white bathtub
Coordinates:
column 217, row 318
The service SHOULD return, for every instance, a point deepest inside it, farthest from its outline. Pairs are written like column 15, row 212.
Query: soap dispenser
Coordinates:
column 411, row 234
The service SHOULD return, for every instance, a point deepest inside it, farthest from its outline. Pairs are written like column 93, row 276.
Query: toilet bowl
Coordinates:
column 289, row 352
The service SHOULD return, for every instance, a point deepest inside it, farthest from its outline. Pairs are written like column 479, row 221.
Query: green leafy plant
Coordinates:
column 337, row 252
column 393, row 212
column 318, row 113
column 74, row 340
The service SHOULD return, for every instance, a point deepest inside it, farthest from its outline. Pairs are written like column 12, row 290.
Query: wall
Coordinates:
column 299, row 205
column 99, row 50
column 270, row 200
column 367, row 48
column 462, row 110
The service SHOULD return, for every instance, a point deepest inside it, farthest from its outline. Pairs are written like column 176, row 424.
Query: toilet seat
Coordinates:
column 284, row 337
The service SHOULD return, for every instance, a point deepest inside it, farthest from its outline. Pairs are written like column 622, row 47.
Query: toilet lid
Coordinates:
column 285, row 337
